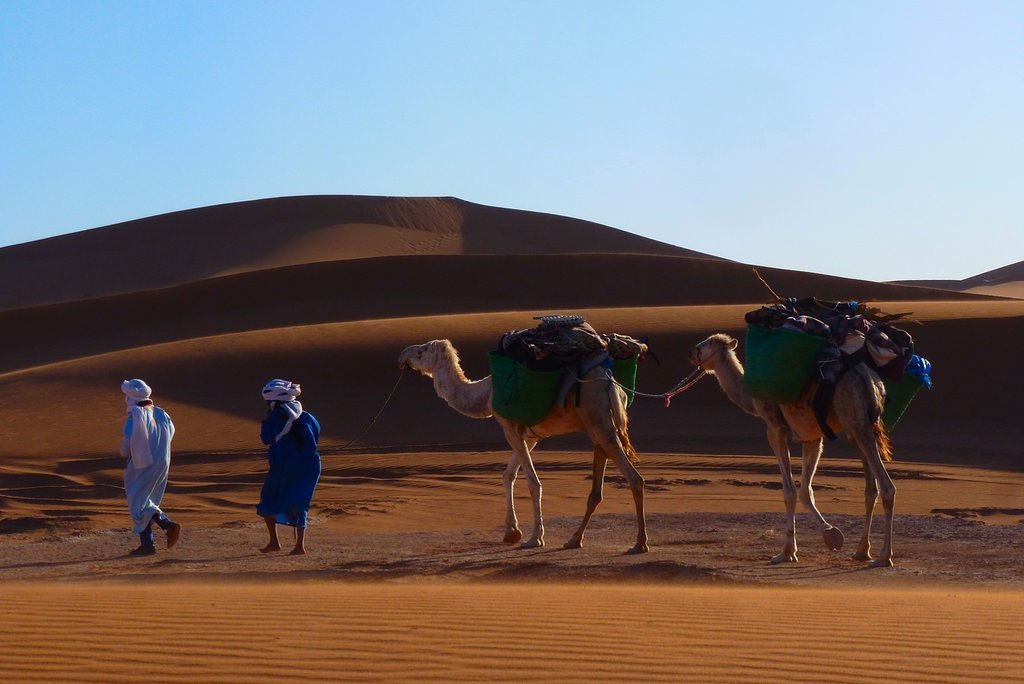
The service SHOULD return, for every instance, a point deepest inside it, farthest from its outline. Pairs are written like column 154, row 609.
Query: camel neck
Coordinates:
column 469, row 397
column 729, row 373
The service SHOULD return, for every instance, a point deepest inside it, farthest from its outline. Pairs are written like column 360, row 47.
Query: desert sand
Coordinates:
column 406, row 577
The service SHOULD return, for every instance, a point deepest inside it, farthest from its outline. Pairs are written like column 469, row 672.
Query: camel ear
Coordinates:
column 733, row 344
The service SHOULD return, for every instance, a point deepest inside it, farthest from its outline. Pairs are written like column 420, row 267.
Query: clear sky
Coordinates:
column 878, row 140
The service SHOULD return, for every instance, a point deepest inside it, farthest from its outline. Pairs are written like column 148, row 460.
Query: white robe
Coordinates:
column 147, row 442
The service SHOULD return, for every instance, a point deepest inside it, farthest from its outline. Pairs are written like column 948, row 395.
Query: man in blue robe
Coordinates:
column 148, row 431
column 292, row 435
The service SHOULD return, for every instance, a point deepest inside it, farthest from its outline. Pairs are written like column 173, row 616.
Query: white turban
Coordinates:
column 135, row 391
column 143, row 425
column 281, row 390
column 286, row 394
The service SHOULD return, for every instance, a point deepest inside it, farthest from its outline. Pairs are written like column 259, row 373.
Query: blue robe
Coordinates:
column 294, row 468
column 144, row 484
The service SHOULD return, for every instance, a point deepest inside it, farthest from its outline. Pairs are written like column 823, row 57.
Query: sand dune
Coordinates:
column 407, row 579
column 1007, row 281
column 183, row 247
column 210, row 385
column 406, row 287
column 1014, row 289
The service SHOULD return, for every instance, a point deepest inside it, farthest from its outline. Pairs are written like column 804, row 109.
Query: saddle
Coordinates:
column 537, row 368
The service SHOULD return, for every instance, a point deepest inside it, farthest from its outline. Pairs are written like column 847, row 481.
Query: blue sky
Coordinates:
column 878, row 140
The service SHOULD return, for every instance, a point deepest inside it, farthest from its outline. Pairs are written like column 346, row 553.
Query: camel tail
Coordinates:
column 875, row 388
column 621, row 420
column 882, row 440
column 627, row 445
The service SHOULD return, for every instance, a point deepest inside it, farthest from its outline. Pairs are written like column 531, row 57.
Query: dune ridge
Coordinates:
column 187, row 246
column 391, row 287
column 1005, row 281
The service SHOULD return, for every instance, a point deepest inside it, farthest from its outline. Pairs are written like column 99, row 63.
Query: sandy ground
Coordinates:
column 301, row 631
column 436, row 516
column 406, row 579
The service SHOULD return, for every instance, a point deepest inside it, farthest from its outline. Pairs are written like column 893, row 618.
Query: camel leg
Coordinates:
column 596, row 494
column 777, row 440
column 522, row 452
column 869, row 449
column 604, row 435
column 870, row 496
column 513, row 535
column 811, row 457
column 636, row 485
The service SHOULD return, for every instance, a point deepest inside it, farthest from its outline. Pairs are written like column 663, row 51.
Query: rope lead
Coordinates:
column 683, row 385
column 387, row 401
column 690, row 381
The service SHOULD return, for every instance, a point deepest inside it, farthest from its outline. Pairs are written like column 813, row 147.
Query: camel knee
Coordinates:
column 870, row 492
column 888, row 493
column 789, row 495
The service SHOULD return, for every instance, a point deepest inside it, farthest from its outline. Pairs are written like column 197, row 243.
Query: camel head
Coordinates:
column 426, row 358
column 709, row 353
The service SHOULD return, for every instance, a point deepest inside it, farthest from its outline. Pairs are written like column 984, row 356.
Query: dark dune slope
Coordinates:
column 1012, row 273
column 396, row 287
column 186, row 246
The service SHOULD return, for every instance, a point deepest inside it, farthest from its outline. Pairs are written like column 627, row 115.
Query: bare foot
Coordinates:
column 271, row 547
column 297, row 551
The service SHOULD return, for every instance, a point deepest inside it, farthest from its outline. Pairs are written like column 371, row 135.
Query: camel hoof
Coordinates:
column 833, row 538
column 532, row 544
column 573, row 544
column 639, row 548
column 862, row 556
column 783, row 558
column 881, row 563
column 513, row 537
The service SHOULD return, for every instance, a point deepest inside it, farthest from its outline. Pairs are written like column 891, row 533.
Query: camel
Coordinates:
column 856, row 409
column 601, row 414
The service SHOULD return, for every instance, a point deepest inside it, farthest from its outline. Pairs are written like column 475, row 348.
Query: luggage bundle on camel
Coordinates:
column 796, row 346
column 535, row 369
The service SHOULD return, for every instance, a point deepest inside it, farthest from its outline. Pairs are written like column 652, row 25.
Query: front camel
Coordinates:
column 856, row 409
column 600, row 414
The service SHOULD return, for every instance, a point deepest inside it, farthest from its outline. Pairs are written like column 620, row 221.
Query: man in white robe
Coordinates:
column 148, row 431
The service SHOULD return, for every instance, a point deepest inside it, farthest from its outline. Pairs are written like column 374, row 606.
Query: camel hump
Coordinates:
column 796, row 342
